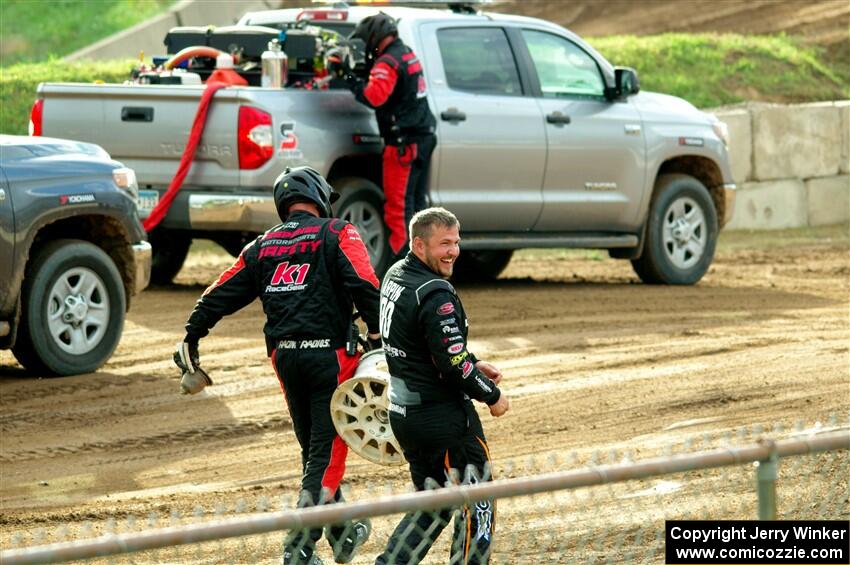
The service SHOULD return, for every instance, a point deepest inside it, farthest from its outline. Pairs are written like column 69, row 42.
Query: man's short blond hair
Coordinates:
column 422, row 223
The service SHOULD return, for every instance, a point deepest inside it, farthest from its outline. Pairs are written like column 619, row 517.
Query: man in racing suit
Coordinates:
column 396, row 90
column 308, row 272
column 433, row 379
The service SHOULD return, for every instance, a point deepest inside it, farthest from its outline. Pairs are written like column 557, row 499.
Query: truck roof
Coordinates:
column 350, row 16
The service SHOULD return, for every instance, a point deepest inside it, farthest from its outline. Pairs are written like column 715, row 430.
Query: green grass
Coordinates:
column 35, row 30
column 18, row 85
column 712, row 70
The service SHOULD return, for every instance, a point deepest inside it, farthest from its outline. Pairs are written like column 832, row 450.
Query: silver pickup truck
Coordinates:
column 542, row 143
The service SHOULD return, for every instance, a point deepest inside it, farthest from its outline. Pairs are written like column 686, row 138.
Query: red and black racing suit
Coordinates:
column 433, row 377
column 396, row 90
column 308, row 272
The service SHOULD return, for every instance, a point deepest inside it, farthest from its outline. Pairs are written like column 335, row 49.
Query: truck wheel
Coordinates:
column 170, row 248
column 481, row 266
column 681, row 235
column 73, row 309
column 362, row 203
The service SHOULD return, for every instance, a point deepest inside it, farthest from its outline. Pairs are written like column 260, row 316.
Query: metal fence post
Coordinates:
column 766, row 473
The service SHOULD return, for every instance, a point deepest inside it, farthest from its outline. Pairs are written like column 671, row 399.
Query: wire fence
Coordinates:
column 593, row 508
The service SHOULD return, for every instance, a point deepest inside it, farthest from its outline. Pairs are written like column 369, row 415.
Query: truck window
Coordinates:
column 479, row 60
column 564, row 69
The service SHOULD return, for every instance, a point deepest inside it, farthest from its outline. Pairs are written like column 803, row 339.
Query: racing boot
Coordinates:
column 354, row 535
column 299, row 557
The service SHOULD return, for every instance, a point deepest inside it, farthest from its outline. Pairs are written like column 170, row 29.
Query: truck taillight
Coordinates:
column 255, row 137
column 323, row 15
column 35, row 117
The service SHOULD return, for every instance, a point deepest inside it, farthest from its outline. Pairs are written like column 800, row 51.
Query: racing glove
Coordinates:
column 187, row 358
column 337, row 63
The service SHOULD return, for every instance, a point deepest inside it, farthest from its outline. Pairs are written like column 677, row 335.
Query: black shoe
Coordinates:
column 299, row 557
column 357, row 534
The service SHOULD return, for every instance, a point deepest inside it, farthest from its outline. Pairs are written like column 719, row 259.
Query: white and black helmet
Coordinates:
column 303, row 184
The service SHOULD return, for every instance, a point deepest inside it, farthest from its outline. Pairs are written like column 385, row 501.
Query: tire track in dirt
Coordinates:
column 191, row 436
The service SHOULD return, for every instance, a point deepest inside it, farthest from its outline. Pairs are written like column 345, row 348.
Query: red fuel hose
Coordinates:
column 221, row 78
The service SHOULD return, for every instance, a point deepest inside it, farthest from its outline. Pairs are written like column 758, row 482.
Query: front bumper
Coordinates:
column 142, row 257
column 730, row 192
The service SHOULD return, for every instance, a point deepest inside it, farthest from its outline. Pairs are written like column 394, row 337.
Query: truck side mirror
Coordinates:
column 626, row 80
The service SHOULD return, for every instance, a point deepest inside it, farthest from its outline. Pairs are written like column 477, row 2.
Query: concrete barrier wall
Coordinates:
column 148, row 36
column 791, row 164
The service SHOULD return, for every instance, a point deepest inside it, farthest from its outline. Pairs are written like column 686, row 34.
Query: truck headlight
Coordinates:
column 722, row 131
column 126, row 178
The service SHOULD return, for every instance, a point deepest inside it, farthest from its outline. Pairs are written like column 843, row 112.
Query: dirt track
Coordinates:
column 593, row 361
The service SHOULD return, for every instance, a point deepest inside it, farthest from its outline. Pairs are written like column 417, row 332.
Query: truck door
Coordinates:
column 595, row 167
column 491, row 139
column 7, row 238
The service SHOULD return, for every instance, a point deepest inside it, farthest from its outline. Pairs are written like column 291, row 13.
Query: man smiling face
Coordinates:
column 439, row 248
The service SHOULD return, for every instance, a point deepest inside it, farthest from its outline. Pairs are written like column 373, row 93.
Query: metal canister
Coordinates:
column 275, row 66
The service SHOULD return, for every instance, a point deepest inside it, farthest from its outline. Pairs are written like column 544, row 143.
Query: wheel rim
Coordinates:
column 368, row 222
column 78, row 311
column 359, row 409
column 684, row 232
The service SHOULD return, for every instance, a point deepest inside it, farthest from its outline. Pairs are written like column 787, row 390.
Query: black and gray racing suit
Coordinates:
column 433, row 378
column 308, row 272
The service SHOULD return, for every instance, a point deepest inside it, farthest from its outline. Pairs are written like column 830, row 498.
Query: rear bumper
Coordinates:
column 225, row 212
column 730, row 192
column 254, row 213
column 142, row 257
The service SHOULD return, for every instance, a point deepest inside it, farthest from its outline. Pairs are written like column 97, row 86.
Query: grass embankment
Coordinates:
column 18, row 85
column 708, row 70
column 35, row 30
column 712, row 70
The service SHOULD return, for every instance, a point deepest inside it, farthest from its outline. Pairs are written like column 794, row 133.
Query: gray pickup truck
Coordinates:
column 542, row 143
column 72, row 253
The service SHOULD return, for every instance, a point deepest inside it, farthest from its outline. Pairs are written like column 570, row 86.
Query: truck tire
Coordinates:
column 361, row 202
column 170, row 248
column 481, row 266
column 681, row 233
column 73, row 307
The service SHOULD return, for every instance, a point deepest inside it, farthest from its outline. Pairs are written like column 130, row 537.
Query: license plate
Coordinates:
column 147, row 200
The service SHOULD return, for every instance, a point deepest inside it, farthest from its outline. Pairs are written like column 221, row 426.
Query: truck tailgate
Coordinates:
column 147, row 127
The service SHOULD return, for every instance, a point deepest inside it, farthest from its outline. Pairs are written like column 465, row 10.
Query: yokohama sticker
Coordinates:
column 456, row 348
column 446, row 309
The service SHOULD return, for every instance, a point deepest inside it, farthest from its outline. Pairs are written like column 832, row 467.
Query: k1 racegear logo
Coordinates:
column 445, row 309
column 287, row 278
column 467, row 369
